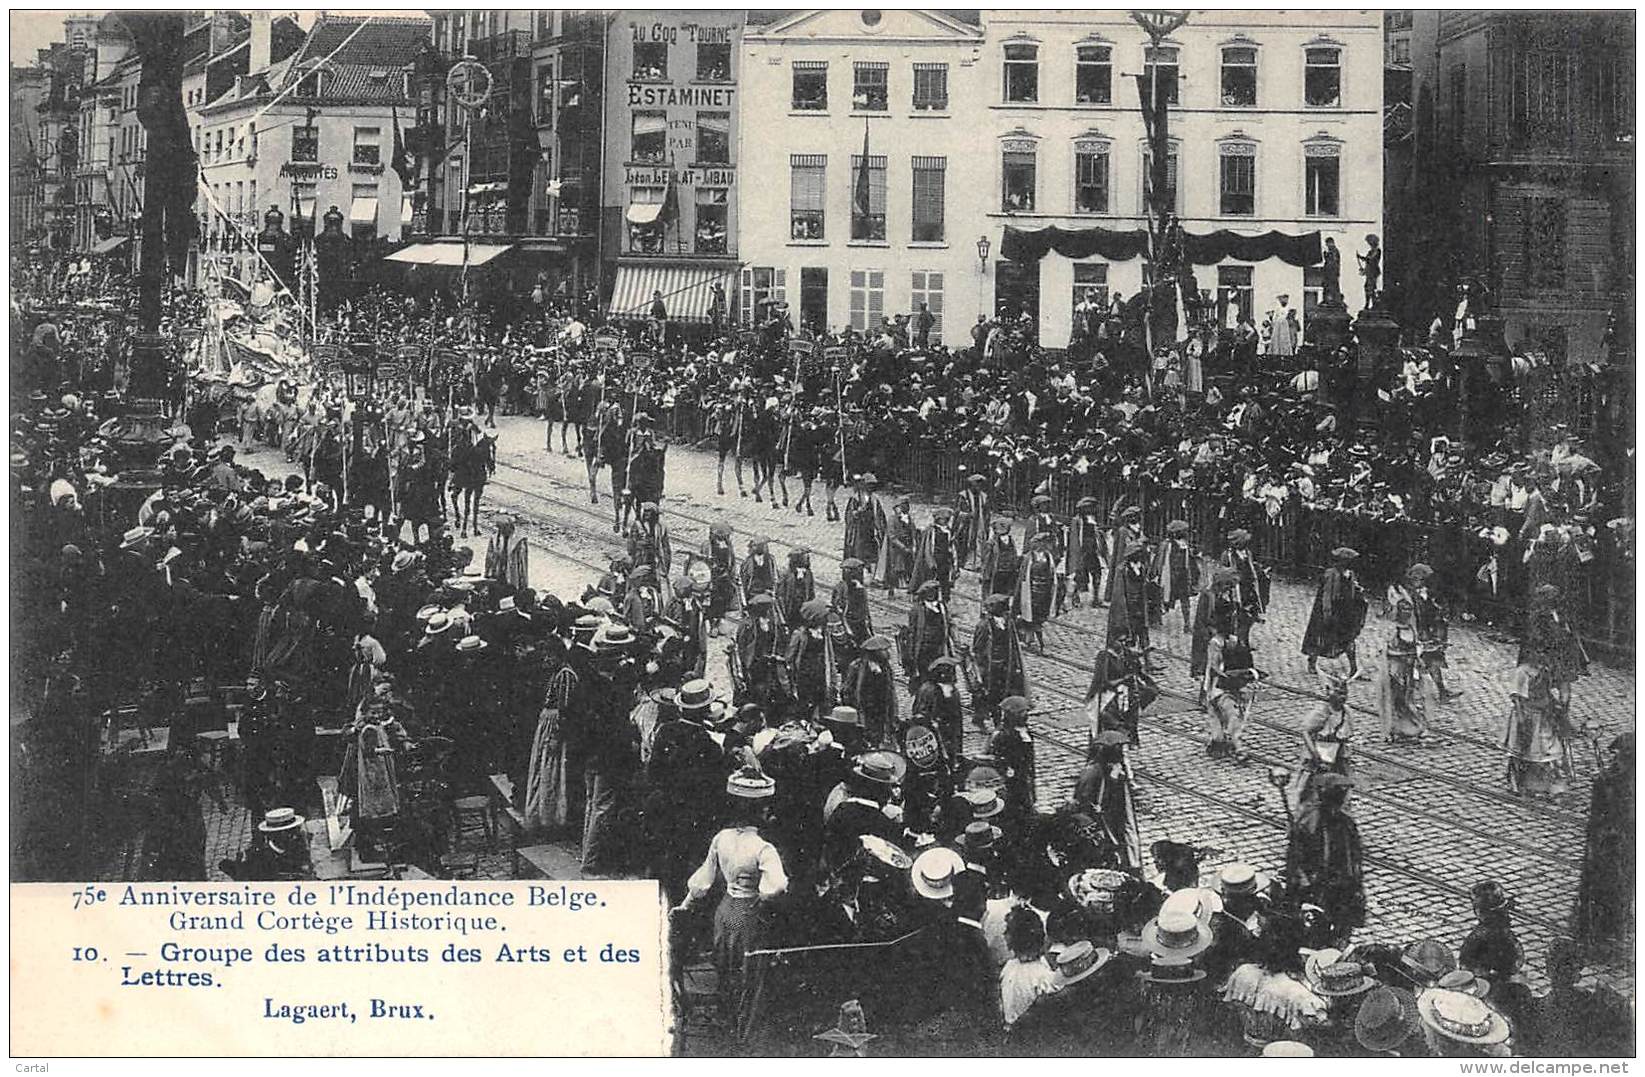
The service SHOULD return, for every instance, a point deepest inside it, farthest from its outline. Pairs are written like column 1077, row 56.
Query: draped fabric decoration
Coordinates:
column 1118, row 246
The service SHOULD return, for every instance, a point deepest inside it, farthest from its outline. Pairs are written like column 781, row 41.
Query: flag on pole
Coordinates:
column 401, row 160
column 860, row 199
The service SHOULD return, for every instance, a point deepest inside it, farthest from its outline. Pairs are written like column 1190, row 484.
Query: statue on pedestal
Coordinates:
column 1331, row 273
column 1370, row 268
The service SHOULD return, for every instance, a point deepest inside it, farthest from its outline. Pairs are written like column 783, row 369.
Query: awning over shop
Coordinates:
column 644, row 212
column 363, row 210
column 448, row 254
column 687, row 290
column 104, row 246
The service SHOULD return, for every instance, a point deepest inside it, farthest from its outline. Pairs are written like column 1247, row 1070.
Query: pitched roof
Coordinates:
column 384, row 42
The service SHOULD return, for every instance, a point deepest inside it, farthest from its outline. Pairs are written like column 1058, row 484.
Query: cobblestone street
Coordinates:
column 1436, row 819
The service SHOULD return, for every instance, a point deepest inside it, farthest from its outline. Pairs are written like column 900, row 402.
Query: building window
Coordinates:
column 1237, row 192
column 870, row 87
column 1539, row 109
column 1313, row 293
column 1090, row 286
column 867, row 299
column 1234, row 295
column 545, row 96
column 367, row 148
column 713, row 138
column 1239, row 77
column 1322, row 77
column 1543, row 253
column 645, row 224
column 810, row 85
column 925, row 289
column 1017, row 171
column 1399, row 20
column 807, row 185
column 1090, row 177
column 711, row 220
column 1322, row 181
column 251, row 141
column 1459, row 101
column 763, row 288
column 930, row 87
column 1173, row 191
column 1399, row 51
column 1093, row 75
column 649, row 145
column 713, row 61
column 651, row 61
column 1160, row 65
column 867, row 218
column 930, row 174
column 1022, row 73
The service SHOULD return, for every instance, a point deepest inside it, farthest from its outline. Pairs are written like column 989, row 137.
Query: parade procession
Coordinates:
column 1058, row 595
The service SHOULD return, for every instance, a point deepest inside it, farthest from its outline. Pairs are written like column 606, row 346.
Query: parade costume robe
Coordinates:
column 849, row 602
column 864, row 524
column 971, row 516
column 1253, row 582
column 795, row 588
column 1128, row 605
column 996, row 664
column 508, row 560
column 1117, row 695
column 930, row 636
column 1325, row 866
column 943, row 713
column 1539, row 729
column 813, row 674
column 871, row 687
column 759, row 673
column 895, row 559
column 553, row 774
column 934, row 558
column 649, row 544
column 1211, row 612
column 756, row 574
column 1109, row 796
column 1337, row 617
column 692, row 617
column 1605, row 897
column 722, row 576
column 1176, row 570
column 641, row 607
column 1036, row 586
column 1088, row 556
column 999, row 567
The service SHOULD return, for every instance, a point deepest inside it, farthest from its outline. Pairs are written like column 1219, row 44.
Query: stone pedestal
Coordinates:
column 1330, row 325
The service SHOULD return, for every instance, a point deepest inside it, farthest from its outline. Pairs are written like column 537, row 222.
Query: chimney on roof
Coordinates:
column 222, row 32
column 261, row 46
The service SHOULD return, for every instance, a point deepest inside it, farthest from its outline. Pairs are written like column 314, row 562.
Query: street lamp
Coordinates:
column 982, row 267
column 982, row 252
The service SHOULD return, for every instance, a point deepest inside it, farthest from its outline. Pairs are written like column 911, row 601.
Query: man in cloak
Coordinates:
column 1338, row 614
column 1324, row 860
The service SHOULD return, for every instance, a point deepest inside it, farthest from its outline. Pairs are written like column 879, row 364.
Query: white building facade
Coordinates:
column 1275, row 124
column 814, row 84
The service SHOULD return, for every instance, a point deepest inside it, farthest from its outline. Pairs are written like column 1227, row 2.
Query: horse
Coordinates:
column 473, row 460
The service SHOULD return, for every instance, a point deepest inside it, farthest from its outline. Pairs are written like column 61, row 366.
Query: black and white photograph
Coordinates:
column 1047, row 533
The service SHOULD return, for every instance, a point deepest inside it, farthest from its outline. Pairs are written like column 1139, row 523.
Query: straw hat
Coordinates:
column 749, row 784
column 1465, row 981
column 1385, row 1019
column 280, row 820
column 1078, row 960
column 934, row 871
column 1461, row 1017
column 1176, row 934
column 1287, row 1049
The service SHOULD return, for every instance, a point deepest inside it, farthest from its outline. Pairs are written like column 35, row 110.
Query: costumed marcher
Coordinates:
column 644, row 602
column 648, row 541
column 1229, row 689
column 1044, row 522
column 894, row 561
column 1252, row 588
column 1324, row 860
column 813, row 671
column 937, row 704
column 757, row 657
column 688, row 611
column 1406, row 693
column 508, row 555
column 971, row 520
column 1119, row 691
column 1105, row 789
column 1326, row 733
column 723, row 575
column 757, row 572
column 1012, row 748
column 1088, row 553
column 849, row 601
column 870, row 686
column 1176, row 572
column 1037, row 576
column 1604, row 920
column 864, row 521
column 1128, row 597
column 795, row 587
column 1540, row 727
column 1338, row 613
column 998, row 572
column 1217, row 608
column 995, row 668
column 928, row 635
column 935, row 556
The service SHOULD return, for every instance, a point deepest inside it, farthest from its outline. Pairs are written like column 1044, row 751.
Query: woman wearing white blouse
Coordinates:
column 751, row 871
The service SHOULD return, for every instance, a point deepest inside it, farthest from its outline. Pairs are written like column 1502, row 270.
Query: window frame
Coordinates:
column 1080, row 288
column 1094, row 148
column 703, row 46
column 810, row 69
column 1173, row 163
column 920, row 290
column 1308, row 65
column 1245, row 292
column 1224, row 68
column 374, row 145
column 1322, row 151
column 1235, row 151
column 1106, row 64
column 650, row 47
column 1019, row 148
column 1151, row 58
column 633, row 135
column 797, row 164
column 876, row 162
column 925, row 166
column 928, row 103
column 1031, row 63
column 860, row 88
column 701, row 141
column 868, row 292
column 704, row 210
